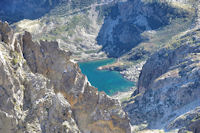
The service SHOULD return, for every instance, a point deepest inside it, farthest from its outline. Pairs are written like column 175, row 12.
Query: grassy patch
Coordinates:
column 70, row 28
column 15, row 57
column 180, row 5
column 182, row 39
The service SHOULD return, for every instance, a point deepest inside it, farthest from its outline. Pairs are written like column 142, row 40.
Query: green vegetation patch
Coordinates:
column 15, row 57
column 69, row 28
column 183, row 38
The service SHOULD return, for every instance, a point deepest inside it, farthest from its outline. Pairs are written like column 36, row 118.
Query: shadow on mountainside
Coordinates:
column 15, row 10
column 125, row 21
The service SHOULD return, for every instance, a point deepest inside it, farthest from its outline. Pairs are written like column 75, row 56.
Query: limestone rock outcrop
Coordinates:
column 41, row 90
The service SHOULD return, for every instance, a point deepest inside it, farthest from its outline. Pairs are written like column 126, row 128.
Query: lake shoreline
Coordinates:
column 123, row 96
column 92, row 59
column 130, row 73
column 114, row 86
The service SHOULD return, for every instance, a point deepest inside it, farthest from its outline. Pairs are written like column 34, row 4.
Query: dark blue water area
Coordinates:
column 110, row 82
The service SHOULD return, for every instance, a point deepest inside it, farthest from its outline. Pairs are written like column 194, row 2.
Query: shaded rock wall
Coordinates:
column 126, row 21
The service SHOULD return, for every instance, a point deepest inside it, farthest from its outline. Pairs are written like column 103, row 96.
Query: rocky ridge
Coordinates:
column 169, row 87
column 43, row 91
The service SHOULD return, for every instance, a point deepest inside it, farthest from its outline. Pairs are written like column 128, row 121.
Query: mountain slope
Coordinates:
column 167, row 95
column 123, row 26
column 111, row 27
column 169, row 87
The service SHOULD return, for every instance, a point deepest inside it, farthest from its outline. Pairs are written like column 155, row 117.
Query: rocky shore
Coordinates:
column 130, row 72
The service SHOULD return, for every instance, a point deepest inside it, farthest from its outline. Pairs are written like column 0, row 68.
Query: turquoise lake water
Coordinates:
column 108, row 81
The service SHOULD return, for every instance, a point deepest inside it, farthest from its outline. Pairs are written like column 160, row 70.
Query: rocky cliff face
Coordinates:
column 43, row 91
column 169, row 87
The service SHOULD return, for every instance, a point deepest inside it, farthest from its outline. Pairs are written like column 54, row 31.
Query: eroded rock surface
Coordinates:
column 169, row 87
column 41, row 90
